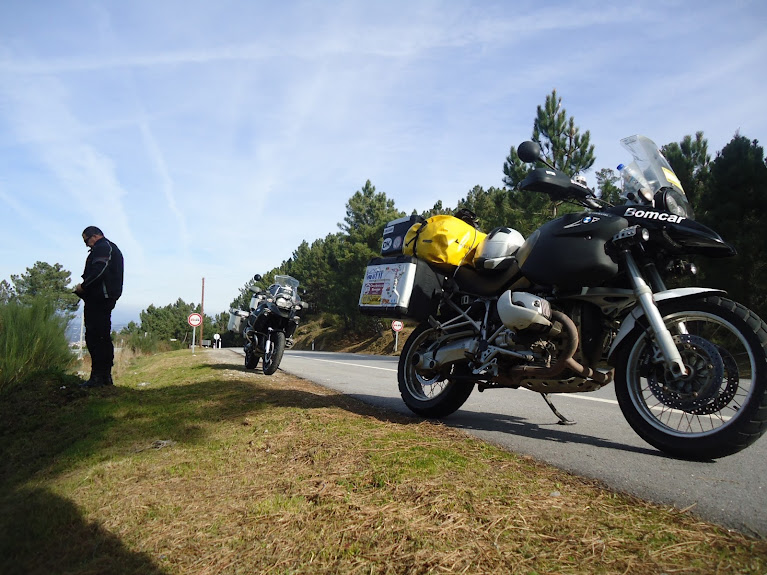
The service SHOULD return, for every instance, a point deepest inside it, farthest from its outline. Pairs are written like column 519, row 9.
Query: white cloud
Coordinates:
column 166, row 182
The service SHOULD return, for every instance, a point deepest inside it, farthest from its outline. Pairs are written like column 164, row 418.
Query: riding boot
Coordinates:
column 98, row 379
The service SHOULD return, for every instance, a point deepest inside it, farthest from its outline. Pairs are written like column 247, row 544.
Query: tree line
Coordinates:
column 728, row 193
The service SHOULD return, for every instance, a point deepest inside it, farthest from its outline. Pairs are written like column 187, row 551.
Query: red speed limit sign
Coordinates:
column 195, row 319
column 396, row 325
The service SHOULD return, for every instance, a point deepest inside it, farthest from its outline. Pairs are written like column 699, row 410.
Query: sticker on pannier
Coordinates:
column 400, row 286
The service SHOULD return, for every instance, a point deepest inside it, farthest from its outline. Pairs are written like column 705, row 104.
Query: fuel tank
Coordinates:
column 569, row 252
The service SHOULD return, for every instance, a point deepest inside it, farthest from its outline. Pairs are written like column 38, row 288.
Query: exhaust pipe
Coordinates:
column 565, row 360
column 448, row 353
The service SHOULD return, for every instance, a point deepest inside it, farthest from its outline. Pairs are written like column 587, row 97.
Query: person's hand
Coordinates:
column 79, row 290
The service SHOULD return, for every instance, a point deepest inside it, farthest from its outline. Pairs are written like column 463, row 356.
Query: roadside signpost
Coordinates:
column 194, row 320
column 396, row 327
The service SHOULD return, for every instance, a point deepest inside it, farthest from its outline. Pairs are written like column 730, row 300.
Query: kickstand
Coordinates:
column 562, row 419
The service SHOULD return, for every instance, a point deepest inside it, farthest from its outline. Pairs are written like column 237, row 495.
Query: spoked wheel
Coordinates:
column 428, row 393
column 274, row 348
column 720, row 406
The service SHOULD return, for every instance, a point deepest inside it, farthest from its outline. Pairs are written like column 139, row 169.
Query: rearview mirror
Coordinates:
column 529, row 152
column 257, row 278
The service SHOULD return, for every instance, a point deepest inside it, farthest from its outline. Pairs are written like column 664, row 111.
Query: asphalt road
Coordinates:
column 601, row 445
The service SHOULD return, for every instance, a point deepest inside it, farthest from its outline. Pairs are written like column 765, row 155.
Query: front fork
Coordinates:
column 255, row 340
column 268, row 342
column 671, row 356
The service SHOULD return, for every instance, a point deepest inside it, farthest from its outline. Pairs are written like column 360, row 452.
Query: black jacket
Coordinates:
column 103, row 275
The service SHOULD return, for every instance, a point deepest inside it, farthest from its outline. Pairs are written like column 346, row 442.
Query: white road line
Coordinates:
column 579, row 396
column 344, row 363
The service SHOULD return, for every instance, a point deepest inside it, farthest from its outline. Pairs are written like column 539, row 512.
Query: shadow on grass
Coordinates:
column 43, row 533
column 300, row 398
column 491, row 422
column 47, row 429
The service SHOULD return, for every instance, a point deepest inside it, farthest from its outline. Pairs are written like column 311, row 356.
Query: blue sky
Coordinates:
column 208, row 139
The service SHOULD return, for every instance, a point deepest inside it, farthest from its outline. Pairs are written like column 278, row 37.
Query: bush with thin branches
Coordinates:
column 32, row 340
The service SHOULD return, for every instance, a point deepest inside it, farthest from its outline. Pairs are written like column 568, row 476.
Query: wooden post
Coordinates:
column 202, row 310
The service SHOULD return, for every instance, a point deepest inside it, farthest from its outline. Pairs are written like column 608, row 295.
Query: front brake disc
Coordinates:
column 700, row 391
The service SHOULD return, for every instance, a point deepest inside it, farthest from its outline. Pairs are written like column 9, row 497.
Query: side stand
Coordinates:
column 562, row 419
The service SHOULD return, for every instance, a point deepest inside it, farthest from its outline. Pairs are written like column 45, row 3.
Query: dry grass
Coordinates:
column 193, row 465
column 338, row 339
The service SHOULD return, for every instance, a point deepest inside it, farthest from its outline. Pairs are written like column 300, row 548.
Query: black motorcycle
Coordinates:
column 269, row 326
column 582, row 302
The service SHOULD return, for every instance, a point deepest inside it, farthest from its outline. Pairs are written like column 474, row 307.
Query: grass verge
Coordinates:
column 193, row 465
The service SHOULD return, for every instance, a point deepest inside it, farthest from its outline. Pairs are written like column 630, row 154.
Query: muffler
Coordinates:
column 449, row 353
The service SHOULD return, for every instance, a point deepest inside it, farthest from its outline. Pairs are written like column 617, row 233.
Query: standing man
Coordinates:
column 100, row 289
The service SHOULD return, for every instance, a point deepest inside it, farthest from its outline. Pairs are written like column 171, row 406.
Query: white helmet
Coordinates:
column 496, row 249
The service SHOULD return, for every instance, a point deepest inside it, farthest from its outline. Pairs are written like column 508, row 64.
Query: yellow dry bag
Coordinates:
column 443, row 240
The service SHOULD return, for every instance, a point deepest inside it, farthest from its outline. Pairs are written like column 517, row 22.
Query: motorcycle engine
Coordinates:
column 520, row 310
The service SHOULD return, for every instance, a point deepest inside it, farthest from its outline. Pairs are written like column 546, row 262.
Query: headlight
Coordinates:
column 283, row 303
column 677, row 204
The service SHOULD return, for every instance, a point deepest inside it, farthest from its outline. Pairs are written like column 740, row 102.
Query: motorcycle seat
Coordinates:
column 486, row 283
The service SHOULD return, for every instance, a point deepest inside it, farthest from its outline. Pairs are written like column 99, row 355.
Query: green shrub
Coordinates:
column 146, row 344
column 142, row 343
column 32, row 340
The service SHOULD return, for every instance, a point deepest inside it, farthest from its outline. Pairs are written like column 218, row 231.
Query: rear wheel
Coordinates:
column 435, row 393
column 720, row 406
column 275, row 347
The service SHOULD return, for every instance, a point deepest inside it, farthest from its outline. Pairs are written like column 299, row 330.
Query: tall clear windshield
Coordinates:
column 653, row 174
column 655, row 168
column 285, row 285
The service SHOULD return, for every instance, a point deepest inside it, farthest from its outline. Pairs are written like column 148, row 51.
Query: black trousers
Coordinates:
column 98, row 333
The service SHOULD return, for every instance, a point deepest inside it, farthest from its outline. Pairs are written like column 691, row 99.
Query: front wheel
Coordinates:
column 251, row 358
column 720, row 406
column 429, row 394
column 275, row 347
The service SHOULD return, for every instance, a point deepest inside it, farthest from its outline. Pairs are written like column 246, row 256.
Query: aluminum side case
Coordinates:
column 236, row 319
column 400, row 286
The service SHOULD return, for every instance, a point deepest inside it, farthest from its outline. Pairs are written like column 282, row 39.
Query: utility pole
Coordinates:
column 202, row 310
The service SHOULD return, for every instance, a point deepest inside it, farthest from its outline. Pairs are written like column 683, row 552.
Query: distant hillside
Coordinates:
column 332, row 338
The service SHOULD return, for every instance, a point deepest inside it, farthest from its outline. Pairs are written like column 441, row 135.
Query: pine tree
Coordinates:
column 690, row 162
column 733, row 203
column 7, row 293
column 493, row 208
column 563, row 146
column 51, row 282
column 607, row 185
column 367, row 212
